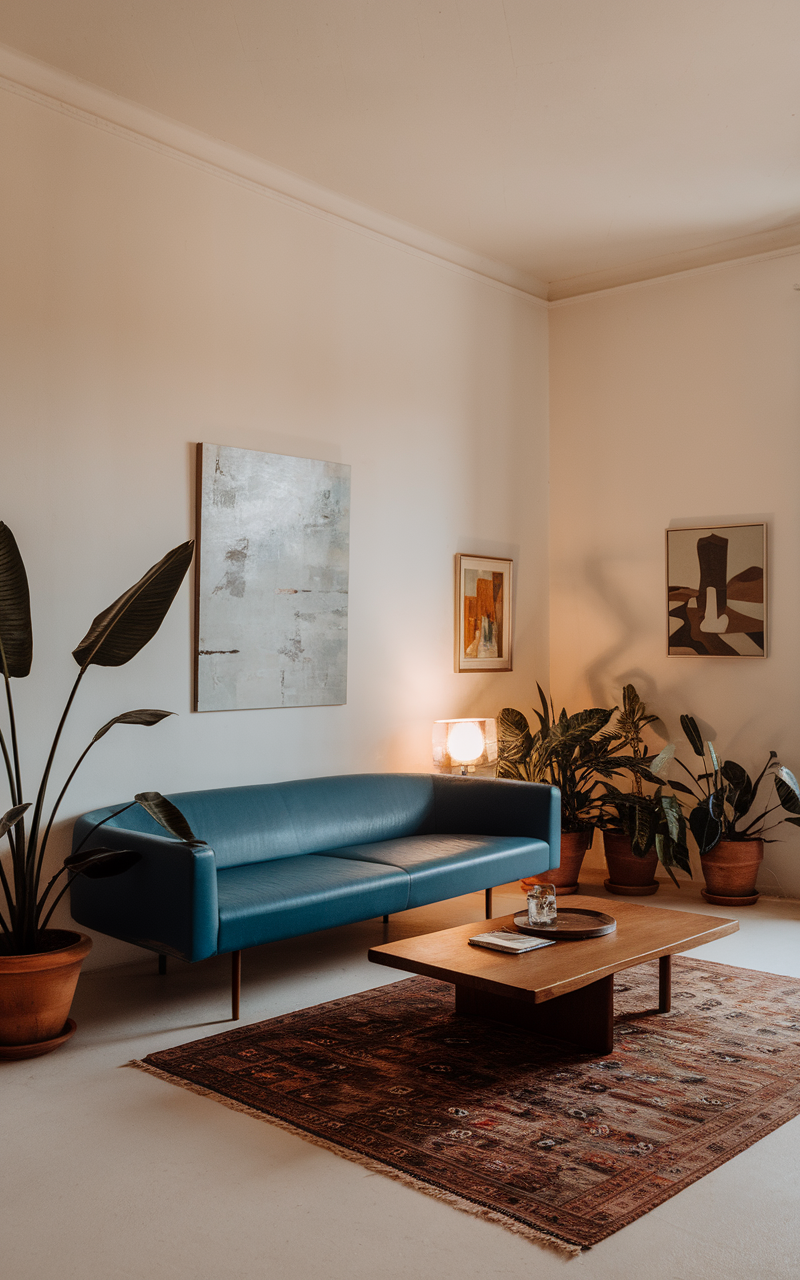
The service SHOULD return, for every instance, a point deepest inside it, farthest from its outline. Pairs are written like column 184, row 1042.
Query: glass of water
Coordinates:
column 542, row 904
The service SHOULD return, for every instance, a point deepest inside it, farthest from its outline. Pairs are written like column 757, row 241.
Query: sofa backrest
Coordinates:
column 283, row 819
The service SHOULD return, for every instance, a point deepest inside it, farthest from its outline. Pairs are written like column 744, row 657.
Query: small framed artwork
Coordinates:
column 716, row 591
column 483, row 613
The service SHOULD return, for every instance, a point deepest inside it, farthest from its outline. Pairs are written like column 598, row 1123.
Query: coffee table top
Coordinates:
column 642, row 933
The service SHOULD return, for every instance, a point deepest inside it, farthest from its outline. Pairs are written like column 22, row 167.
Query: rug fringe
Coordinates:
column 375, row 1166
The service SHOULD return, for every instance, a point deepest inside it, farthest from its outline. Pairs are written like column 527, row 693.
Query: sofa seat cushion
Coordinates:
column 444, row 866
column 286, row 897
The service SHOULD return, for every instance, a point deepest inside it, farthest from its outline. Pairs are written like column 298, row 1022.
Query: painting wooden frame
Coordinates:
column 717, row 591
column 483, row 619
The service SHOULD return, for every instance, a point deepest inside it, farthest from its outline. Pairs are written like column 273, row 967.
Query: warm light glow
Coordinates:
column 465, row 741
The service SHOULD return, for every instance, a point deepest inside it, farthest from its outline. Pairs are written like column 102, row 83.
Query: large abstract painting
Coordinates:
column 483, row 613
column 716, row 588
column 272, row 580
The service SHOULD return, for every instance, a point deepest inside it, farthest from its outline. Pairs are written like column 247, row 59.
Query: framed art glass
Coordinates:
column 483, row 613
column 716, row 591
column 272, row 580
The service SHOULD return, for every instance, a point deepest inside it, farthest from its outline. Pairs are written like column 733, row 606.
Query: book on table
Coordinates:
column 512, row 943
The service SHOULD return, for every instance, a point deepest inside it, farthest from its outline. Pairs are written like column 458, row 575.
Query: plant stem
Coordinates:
column 46, row 894
column 761, row 818
column 62, row 793
column 12, row 786
column 12, row 910
column 28, row 907
column 691, row 775
column 12, row 724
column 11, row 833
column 46, row 920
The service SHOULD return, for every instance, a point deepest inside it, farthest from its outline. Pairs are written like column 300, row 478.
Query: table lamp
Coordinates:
column 464, row 746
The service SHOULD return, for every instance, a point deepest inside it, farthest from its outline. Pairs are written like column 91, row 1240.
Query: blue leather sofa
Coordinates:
column 287, row 858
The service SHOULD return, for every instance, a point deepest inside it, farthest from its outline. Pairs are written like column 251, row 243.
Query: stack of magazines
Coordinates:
column 513, row 943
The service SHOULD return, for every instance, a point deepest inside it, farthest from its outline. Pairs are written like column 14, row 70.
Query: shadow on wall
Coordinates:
column 602, row 673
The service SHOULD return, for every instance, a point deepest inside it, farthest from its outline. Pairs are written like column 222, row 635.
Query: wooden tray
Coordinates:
column 571, row 925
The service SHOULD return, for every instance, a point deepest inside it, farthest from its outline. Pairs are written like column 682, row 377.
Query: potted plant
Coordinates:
column 640, row 829
column 727, row 817
column 39, row 966
column 573, row 754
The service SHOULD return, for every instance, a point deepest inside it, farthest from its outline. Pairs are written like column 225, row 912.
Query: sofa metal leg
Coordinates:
column 162, row 964
column 236, row 983
column 385, row 919
column 488, row 904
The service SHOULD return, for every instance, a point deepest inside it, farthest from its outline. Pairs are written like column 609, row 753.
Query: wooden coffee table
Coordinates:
column 567, row 990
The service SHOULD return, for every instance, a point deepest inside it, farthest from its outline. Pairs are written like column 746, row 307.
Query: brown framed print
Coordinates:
column 716, row 591
column 483, row 613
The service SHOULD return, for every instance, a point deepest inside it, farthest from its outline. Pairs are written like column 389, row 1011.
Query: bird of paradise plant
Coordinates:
column 115, row 636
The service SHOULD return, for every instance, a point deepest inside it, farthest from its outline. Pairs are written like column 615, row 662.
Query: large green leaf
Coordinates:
column 663, row 759
column 706, row 829
column 634, row 715
column 543, row 716
column 168, row 815
column 144, row 716
column 716, row 804
column 11, row 818
column 16, row 632
column 788, row 790
column 506, row 769
column 514, row 738
column 736, row 775
column 682, row 788
column 570, row 731
column 663, row 847
column 693, row 734
column 120, row 631
column 644, row 830
column 98, row 864
column 676, row 827
column 739, row 792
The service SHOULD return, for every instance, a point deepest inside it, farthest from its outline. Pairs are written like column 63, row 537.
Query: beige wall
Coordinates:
column 678, row 402
column 149, row 304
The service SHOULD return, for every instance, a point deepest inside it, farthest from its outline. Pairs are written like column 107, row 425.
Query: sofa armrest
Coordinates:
column 498, row 807
column 167, row 901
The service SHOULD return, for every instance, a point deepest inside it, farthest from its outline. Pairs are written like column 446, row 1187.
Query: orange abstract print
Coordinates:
column 483, row 614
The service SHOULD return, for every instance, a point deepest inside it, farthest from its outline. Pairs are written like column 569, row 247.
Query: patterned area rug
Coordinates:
column 556, row 1145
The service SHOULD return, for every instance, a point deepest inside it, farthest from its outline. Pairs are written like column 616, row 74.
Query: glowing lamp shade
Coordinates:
column 463, row 746
column 465, row 742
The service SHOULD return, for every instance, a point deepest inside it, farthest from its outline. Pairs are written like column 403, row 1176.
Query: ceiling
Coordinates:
column 584, row 142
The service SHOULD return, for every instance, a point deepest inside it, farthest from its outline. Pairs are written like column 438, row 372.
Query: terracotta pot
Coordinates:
column 730, row 872
column 565, row 876
column 628, row 874
column 36, row 993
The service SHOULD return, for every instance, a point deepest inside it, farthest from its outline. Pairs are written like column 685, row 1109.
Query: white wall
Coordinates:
column 678, row 402
column 149, row 304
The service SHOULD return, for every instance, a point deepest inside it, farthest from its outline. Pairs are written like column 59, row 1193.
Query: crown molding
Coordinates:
column 61, row 92
column 57, row 90
column 779, row 243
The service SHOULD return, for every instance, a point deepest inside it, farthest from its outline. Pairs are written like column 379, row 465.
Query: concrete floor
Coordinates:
column 110, row 1174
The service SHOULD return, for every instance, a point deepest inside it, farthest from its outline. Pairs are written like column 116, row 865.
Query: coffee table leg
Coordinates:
column 584, row 1018
column 664, row 984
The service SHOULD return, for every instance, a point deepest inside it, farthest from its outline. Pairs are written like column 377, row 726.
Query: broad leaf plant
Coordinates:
column 580, row 756
column 116, row 635
column 724, row 803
